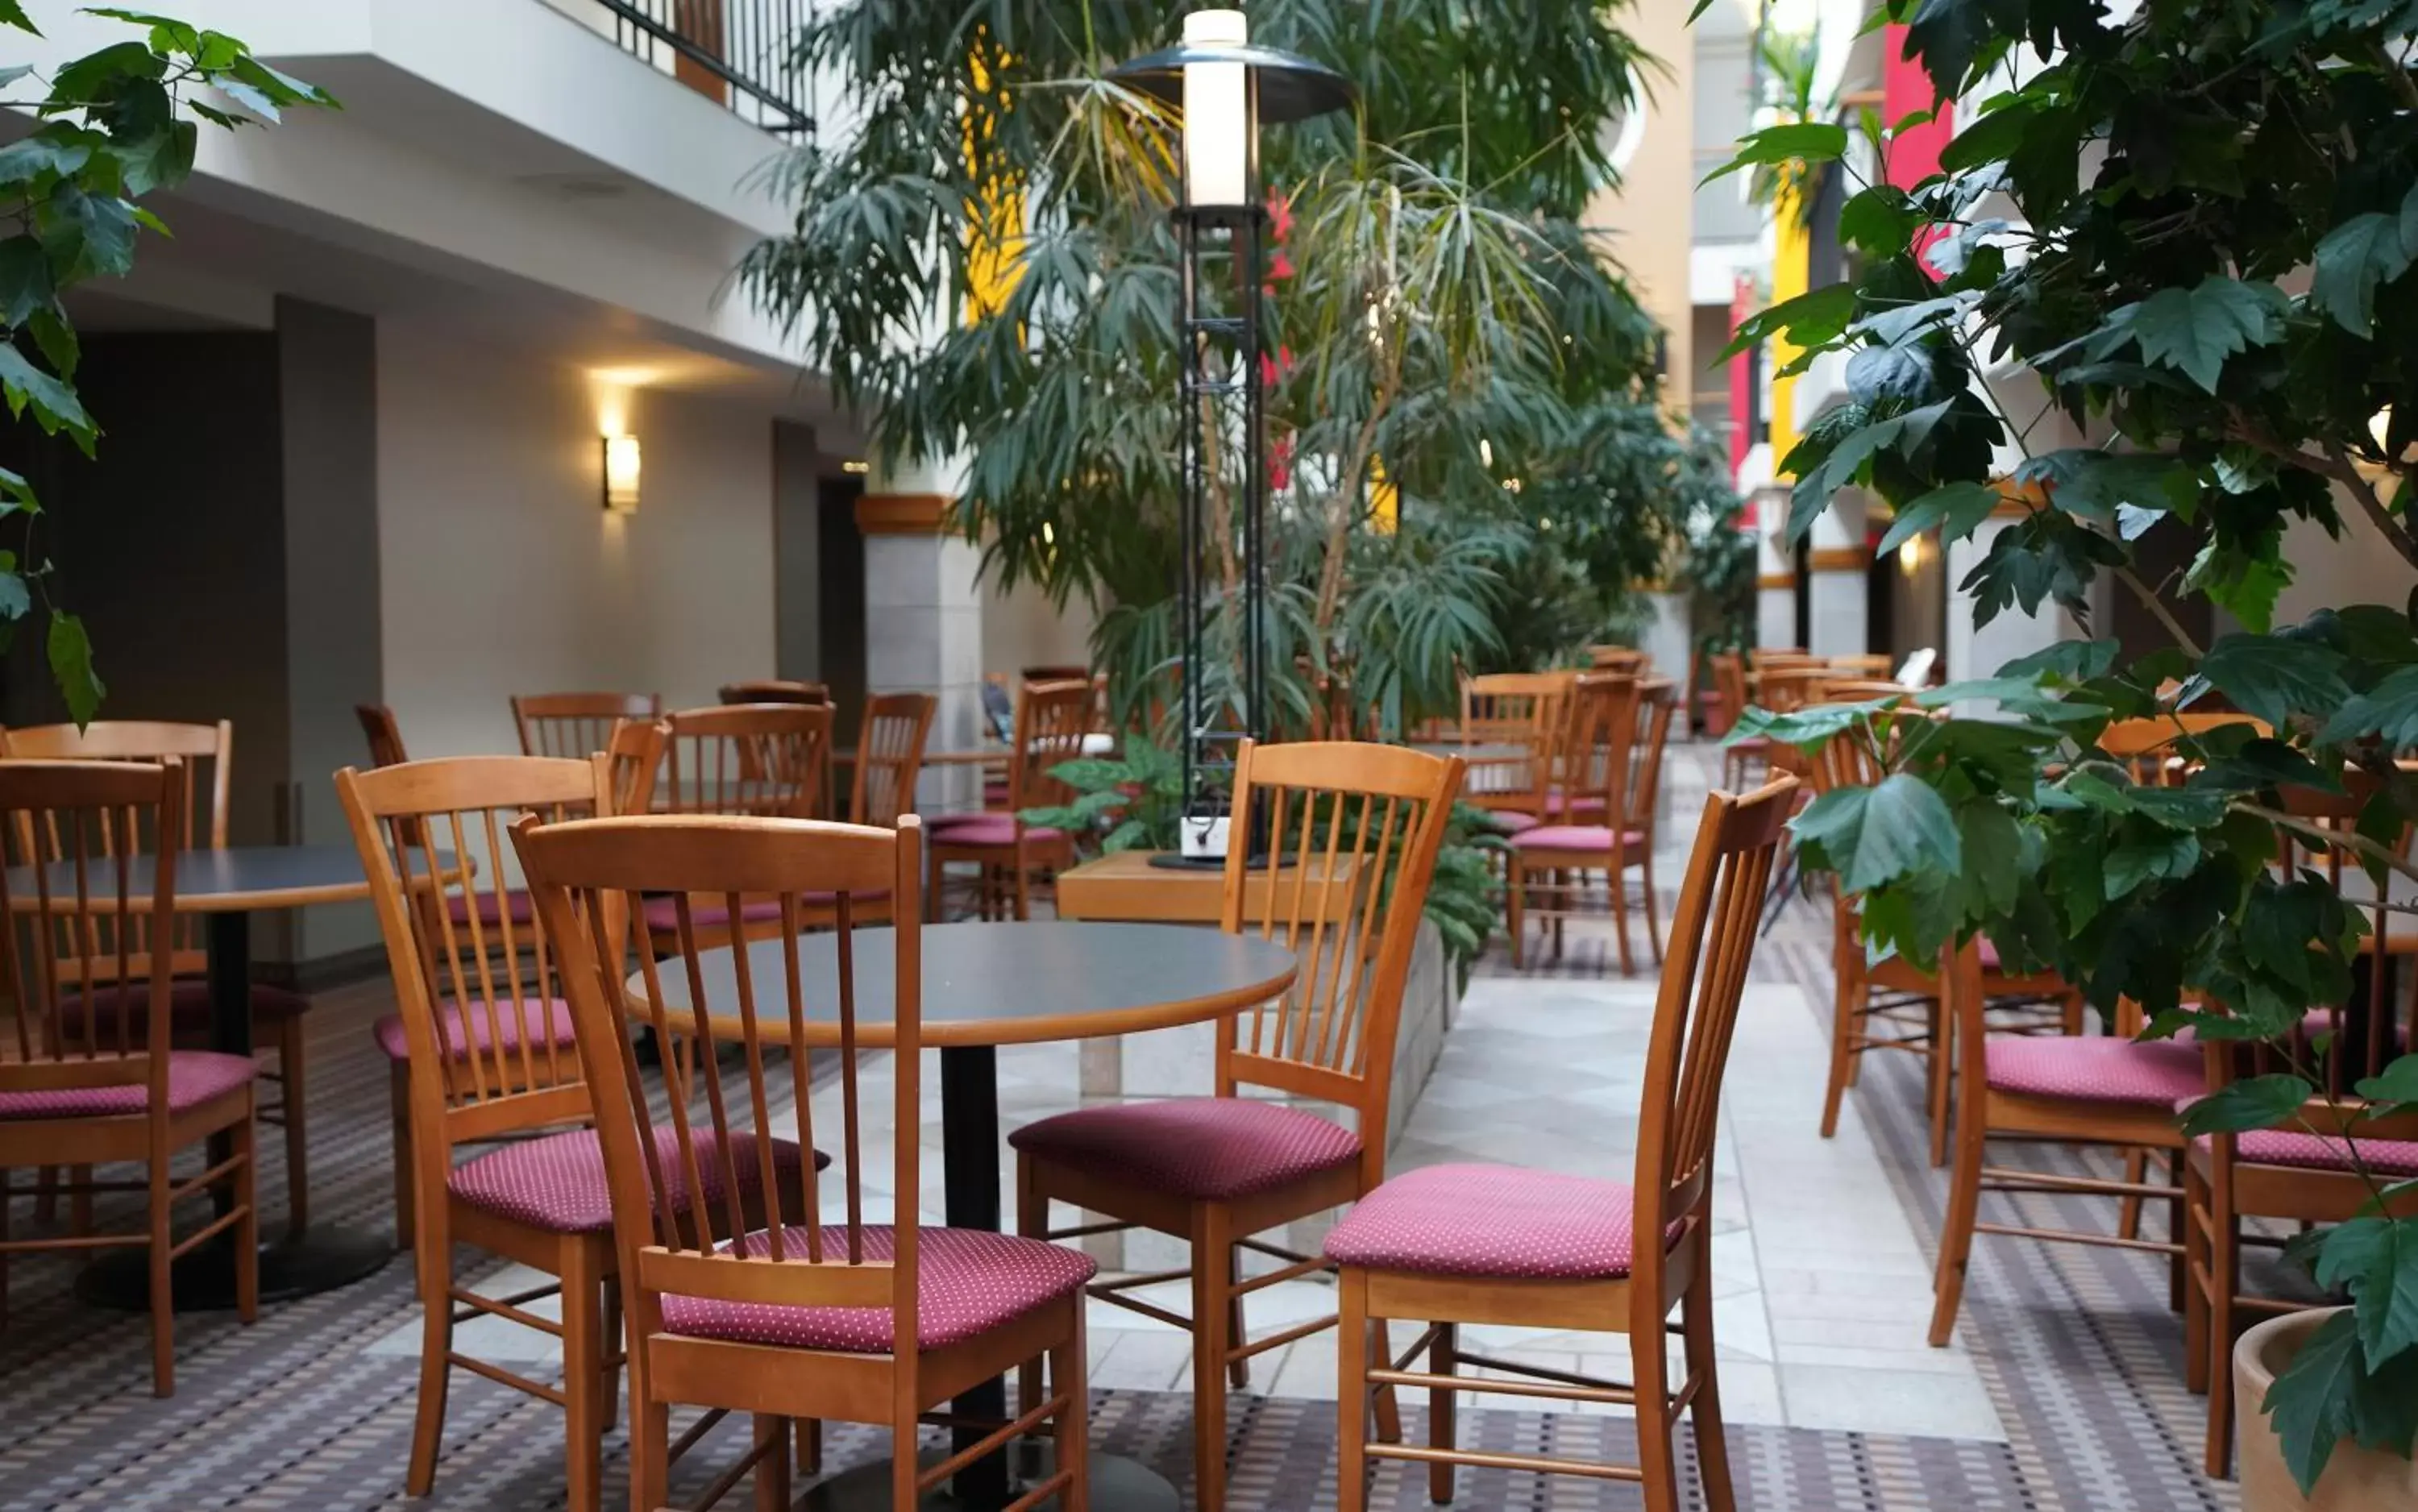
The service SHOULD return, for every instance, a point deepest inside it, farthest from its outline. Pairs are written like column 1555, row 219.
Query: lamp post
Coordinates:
column 1226, row 88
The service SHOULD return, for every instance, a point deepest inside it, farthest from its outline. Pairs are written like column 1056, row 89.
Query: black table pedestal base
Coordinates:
column 1118, row 1485
column 320, row 1260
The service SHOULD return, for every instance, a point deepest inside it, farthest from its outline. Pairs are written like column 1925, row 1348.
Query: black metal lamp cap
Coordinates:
column 1292, row 87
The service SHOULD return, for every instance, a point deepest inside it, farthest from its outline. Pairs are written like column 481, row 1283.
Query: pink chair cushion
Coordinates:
column 1592, row 839
column 1202, row 1149
column 992, row 830
column 189, row 1007
column 2394, row 1159
column 1561, row 803
column 968, row 1281
column 516, row 902
column 558, row 1182
column 2101, row 1069
column 194, row 1077
column 538, row 1022
column 664, row 914
column 1498, row 1221
column 1510, row 821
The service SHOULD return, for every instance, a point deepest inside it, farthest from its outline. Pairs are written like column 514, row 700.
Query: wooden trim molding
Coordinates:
column 902, row 514
column 1777, row 580
column 1838, row 559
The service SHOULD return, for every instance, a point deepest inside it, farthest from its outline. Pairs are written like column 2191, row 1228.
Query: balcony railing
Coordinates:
column 736, row 52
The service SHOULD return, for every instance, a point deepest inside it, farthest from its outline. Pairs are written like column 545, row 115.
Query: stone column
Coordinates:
column 1775, row 571
column 1667, row 639
column 923, row 620
column 1837, row 573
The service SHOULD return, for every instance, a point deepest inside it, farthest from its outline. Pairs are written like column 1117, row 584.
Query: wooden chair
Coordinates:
column 804, row 1320
column 2303, row 1173
column 100, row 1083
column 890, row 756
column 1618, row 750
column 752, row 760
column 1740, row 754
column 384, row 735
column 1626, row 659
column 1761, row 658
column 1051, row 721
column 277, row 1013
column 1873, row 666
column 1217, row 1170
column 1456, row 1245
column 1528, row 708
column 577, row 725
column 775, row 692
column 1896, row 995
column 2106, row 1090
column 487, row 1038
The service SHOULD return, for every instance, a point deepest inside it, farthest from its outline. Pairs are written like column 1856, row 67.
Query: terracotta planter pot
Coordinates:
column 2356, row 1479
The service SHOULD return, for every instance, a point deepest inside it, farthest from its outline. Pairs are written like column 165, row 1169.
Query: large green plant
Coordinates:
column 1441, row 318
column 2192, row 228
column 115, row 126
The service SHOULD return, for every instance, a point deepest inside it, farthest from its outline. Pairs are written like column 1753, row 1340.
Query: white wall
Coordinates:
column 501, row 572
column 2328, row 573
column 1021, row 629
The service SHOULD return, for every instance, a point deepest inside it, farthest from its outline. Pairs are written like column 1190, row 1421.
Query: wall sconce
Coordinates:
column 1909, row 555
column 623, row 464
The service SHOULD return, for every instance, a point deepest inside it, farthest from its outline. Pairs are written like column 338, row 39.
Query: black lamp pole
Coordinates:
column 1220, row 373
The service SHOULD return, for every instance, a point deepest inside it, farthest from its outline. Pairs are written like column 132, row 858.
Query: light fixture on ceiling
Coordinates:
column 623, row 463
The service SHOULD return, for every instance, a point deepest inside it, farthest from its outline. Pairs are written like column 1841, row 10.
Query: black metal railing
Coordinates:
column 740, row 51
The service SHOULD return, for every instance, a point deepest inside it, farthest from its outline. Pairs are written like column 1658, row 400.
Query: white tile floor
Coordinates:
column 1822, row 1291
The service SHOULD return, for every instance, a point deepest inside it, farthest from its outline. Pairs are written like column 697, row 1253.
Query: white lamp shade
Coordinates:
column 1216, row 114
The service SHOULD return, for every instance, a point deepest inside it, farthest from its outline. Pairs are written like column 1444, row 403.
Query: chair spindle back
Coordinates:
column 764, row 760
column 577, row 725
column 890, row 756
column 1051, row 721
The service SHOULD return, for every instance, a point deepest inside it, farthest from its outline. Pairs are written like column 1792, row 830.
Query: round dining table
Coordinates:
column 226, row 887
column 986, row 985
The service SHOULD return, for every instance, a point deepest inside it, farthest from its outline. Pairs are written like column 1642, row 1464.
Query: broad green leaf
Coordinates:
column 2197, row 329
column 2272, row 676
column 12, row 13
column 15, row 596
column 56, row 339
column 97, row 76
column 1880, row 219
column 2377, row 1260
column 1810, row 320
column 2068, row 661
column 25, row 279
column 2311, row 1398
column 68, row 649
column 1948, row 35
column 2352, row 259
column 1956, row 510
column 1874, row 836
column 2395, row 1083
column 1792, row 142
column 2252, row 1103
column 2389, row 709
column 251, row 99
column 102, row 228
column 161, row 160
column 1993, row 846
column 55, row 405
column 2171, row 854
column 1902, row 374
column 51, row 150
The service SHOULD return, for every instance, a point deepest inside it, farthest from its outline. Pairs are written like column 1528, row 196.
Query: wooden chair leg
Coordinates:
column 808, row 1454
column 2136, row 1171
column 1943, row 1076
column 1653, row 907
column 1210, row 1239
column 436, row 1257
column 2224, row 1286
column 80, row 1201
column 2177, row 1221
column 583, row 1371
column 1657, row 1456
column 246, row 1179
column 1031, row 1222
column 1442, row 1430
column 1620, row 918
column 2197, row 1360
column 1023, row 885
column 1845, row 1003
column 1388, row 1403
column 609, row 1405
column 1564, row 890
column 1964, row 1207
column 1238, row 1372
column 1704, row 1413
column 1069, row 1374
column 772, row 1463
column 298, row 1157
column 46, row 1195
column 405, row 1178
column 1515, row 908
column 935, row 874
column 163, row 1304
column 1351, row 1394
column 651, row 1442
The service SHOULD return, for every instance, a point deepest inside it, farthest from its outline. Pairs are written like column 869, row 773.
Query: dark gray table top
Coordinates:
column 236, row 880
column 1000, row 983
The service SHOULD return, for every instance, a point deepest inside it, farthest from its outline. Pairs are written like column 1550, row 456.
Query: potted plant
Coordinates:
column 2178, row 238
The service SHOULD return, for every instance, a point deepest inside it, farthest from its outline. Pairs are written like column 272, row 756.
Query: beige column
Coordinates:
column 922, row 619
column 1837, row 573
